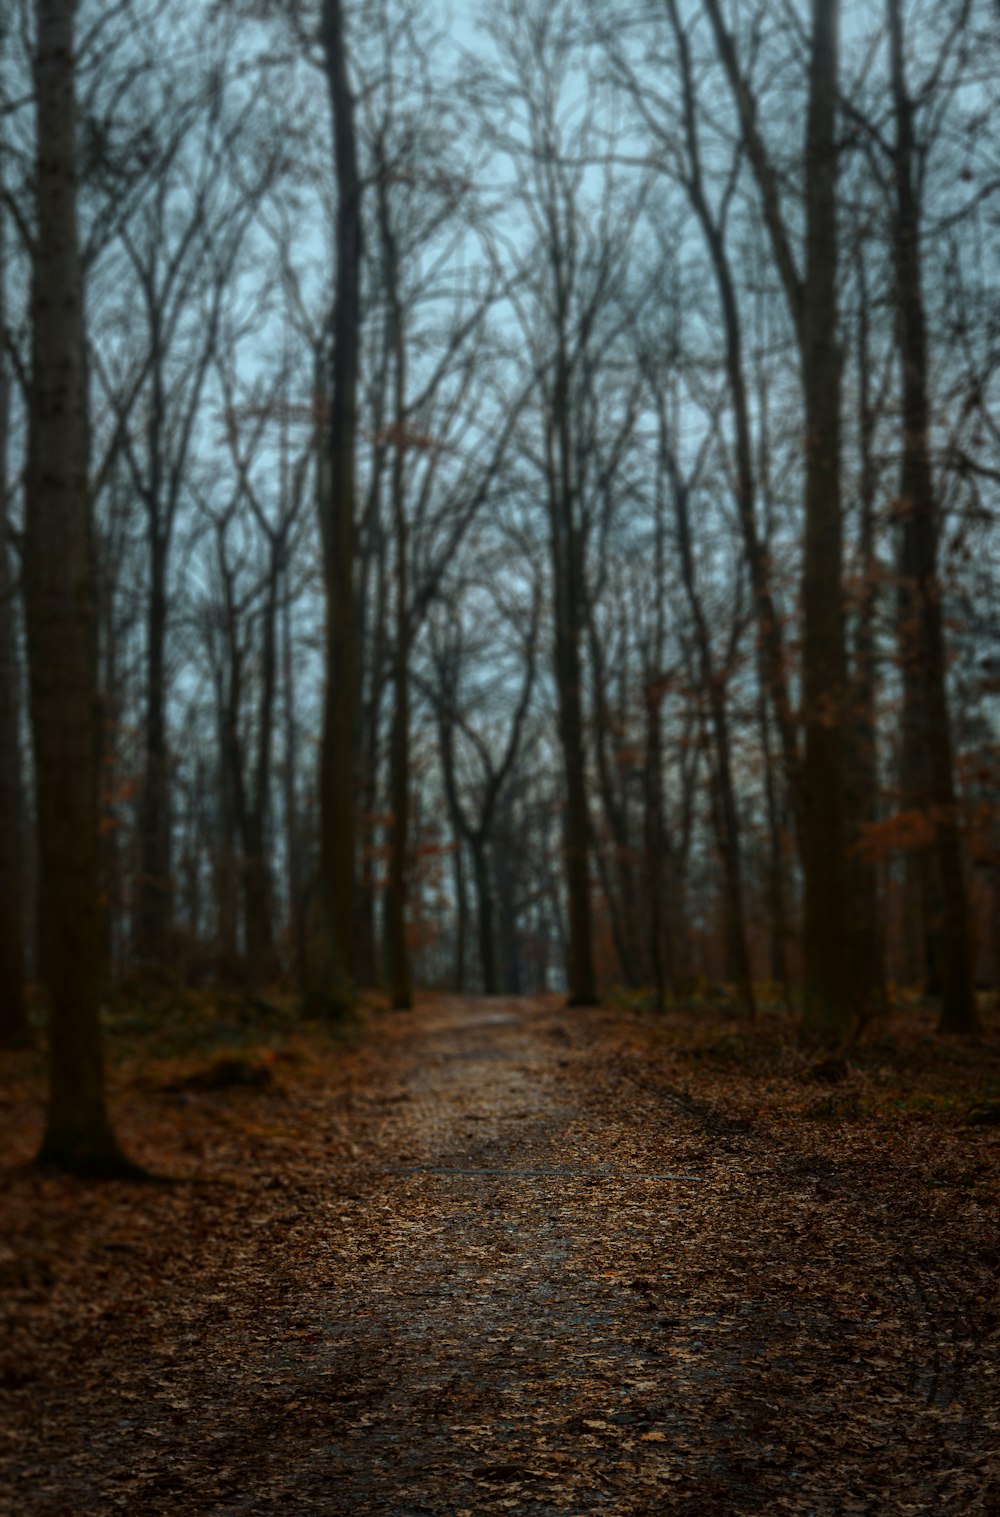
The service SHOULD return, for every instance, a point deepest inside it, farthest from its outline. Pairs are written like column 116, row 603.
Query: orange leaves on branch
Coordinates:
column 398, row 435
column 905, row 831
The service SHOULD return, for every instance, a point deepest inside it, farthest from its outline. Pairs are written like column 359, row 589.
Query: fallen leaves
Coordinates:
column 359, row 1300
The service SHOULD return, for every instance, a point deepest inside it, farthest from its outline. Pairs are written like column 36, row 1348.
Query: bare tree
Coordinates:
column 927, row 734
column 62, row 631
column 811, row 297
column 14, row 1027
column 329, row 974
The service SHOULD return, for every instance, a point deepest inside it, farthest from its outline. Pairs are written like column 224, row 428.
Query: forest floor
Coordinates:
column 497, row 1256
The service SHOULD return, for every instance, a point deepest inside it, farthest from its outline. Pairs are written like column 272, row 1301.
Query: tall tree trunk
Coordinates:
column 367, row 948
column 582, row 983
column 370, row 750
column 776, row 874
column 920, row 532
column 567, row 560
column 399, row 750
column 461, row 906
column 258, row 894
column 15, row 1031
column 230, row 811
column 812, row 303
column 329, row 986
column 60, row 610
column 155, row 887
column 460, row 832
column 399, row 763
column 654, row 844
column 827, row 1008
column 865, row 922
column 712, row 682
column 772, row 652
column 290, row 748
column 484, row 912
column 617, row 876
column 118, row 929
column 505, row 855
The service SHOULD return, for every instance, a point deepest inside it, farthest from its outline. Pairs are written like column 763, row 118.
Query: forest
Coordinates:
column 496, row 501
column 499, row 503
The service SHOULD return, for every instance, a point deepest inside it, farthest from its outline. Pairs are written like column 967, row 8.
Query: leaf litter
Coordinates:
column 667, row 1268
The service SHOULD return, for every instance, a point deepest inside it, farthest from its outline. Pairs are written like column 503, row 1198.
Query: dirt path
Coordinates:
column 530, row 1285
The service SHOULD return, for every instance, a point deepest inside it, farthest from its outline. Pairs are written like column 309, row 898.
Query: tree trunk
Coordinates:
column 776, row 874
column 290, row 748
column 399, row 752
column 461, row 907
column 505, row 856
column 865, row 922
column 60, row 612
column 226, row 862
column 15, row 1031
column 568, row 589
column 772, row 651
column 812, row 303
column 399, row 761
column 712, row 683
column 155, row 882
column 654, row 844
column 827, row 1008
column 484, row 912
column 617, row 877
column 920, row 530
column 329, row 987
column 258, row 895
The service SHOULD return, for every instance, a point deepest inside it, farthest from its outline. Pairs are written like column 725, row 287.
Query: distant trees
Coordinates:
column 473, row 801
column 180, row 247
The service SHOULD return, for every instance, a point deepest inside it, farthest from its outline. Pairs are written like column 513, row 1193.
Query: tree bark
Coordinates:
column 617, row 877
column 60, row 608
column 865, row 923
column 827, row 1008
column 812, row 302
column 290, row 748
column 258, row 893
column 461, row 906
column 155, row 885
column 15, row 1031
column 568, row 589
column 773, row 658
column 925, row 657
column 484, row 912
column 329, row 987
column 399, row 749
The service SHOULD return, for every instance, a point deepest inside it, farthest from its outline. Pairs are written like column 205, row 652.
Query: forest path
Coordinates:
column 514, row 1319
column 514, row 1274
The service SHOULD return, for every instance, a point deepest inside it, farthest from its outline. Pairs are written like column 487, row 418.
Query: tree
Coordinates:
column 15, row 1031
column 60, row 614
column 329, row 976
column 927, row 737
column 811, row 297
